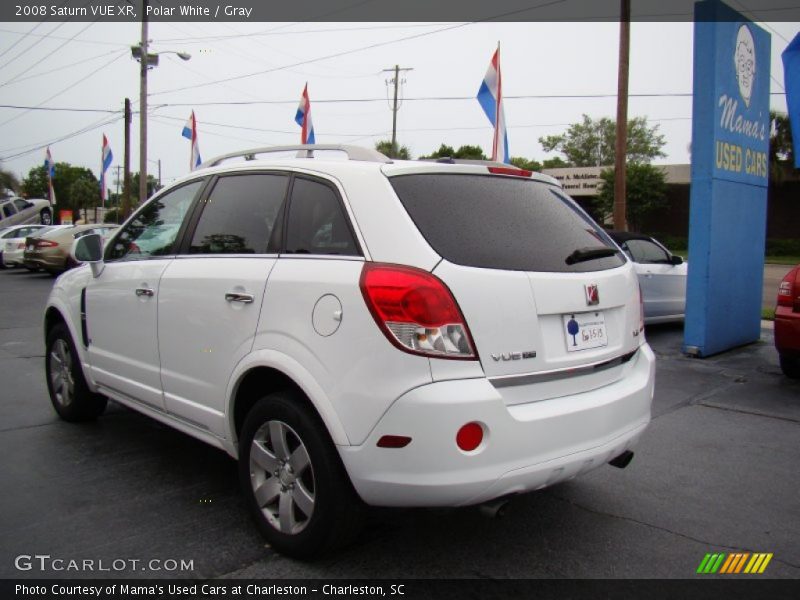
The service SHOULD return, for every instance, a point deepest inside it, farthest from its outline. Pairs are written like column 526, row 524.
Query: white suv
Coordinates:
column 361, row 331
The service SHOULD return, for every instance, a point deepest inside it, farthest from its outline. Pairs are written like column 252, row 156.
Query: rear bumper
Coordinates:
column 526, row 446
column 787, row 331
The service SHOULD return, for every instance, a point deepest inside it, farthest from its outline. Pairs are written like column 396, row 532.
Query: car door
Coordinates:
column 122, row 301
column 10, row 216
column 25, row 211
column 211, row 294
column 663, row 284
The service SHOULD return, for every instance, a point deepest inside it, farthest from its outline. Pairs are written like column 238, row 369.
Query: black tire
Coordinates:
column 303, row 513
column 46, row 217
column 71, row 397
column 790, row 366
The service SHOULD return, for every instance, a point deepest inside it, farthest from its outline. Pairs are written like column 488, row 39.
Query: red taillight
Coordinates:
column 45, row 244
column 789, row 289
column 510, row 171
column 416, row 311
column 469, row 437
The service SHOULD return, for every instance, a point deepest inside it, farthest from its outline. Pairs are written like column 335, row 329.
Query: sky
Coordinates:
column 88, row 66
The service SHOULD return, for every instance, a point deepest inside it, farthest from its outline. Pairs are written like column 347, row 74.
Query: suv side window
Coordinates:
column 644, row 251
column 153, row 231
column 317, row 223
column 240, row 214
column 9, row 210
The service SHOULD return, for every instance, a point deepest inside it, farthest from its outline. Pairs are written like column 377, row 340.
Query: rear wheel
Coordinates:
column 295, row 484
column 69, row 393
column 46, row 217
column 790, row 366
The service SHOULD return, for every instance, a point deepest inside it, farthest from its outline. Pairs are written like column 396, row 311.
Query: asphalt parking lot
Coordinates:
column 717, row 471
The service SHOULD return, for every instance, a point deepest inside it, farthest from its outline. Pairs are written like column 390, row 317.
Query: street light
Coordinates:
column 138, row 53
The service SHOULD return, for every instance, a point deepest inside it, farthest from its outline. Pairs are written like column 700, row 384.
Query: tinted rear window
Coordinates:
column 501, row 222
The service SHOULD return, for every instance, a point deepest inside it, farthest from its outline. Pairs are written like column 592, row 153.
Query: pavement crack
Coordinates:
column 664, row 529
column 749, row 412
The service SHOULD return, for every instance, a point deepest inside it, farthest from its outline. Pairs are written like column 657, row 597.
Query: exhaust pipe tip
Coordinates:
column 495, row 509
column 623, row 460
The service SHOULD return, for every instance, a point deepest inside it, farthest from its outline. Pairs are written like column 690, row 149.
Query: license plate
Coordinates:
column 583, row 331
column 30, row 248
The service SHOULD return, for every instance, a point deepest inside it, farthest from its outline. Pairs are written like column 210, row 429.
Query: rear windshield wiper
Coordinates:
column 584, row 254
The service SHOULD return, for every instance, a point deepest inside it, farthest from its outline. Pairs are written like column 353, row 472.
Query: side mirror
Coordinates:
column 676, row 260
column 89, row 249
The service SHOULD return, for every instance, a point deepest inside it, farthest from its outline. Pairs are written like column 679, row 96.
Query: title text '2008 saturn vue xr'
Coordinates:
column 361, row 331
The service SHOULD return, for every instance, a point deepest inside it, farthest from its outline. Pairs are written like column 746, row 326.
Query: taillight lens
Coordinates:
column 45, row 244
column 510, row 171
column 789, row 289
column 416, row 311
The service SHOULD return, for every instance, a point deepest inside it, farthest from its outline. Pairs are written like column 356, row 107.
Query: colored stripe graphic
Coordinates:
column 729, row 564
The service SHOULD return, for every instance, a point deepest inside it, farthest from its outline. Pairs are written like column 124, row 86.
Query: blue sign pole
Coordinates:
column 730, row 175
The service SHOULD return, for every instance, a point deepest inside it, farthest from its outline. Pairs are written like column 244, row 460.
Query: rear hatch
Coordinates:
column 543, row 289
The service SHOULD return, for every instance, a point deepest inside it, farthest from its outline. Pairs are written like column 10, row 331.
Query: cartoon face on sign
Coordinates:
column 744, row 58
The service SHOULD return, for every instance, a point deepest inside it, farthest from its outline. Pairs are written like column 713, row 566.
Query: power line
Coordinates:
column 82, row 61
column 55, row 37
column 47, row 108
column 361, row 49
column 273, row 32
column 42, row 146
column 69, row 87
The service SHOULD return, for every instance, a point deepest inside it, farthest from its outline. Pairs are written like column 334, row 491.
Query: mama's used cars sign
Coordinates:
column 741, row 123
column 730, row 174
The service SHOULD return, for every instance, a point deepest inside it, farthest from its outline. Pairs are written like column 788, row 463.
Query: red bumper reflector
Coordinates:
column 469, row 437
column 394, row 441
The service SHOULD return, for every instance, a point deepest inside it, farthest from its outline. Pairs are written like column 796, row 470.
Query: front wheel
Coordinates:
column 69, row 393
column 293, row 479
column 46, row 217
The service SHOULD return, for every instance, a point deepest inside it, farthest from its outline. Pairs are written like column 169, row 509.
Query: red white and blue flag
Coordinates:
column 303, row 118
column 106, row 156
column 490, row 97
column 50, row 169
column 190, row 132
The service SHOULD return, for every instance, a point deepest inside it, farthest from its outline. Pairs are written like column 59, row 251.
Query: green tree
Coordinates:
column 592, row 142
column 84, row 194
column 465, row 152
column 527, row 164
column 9, row 184
column 554, row 163
column 35, row 184
column 646, row 189
column 396, row 151
column 781, row 146
column 152, row 184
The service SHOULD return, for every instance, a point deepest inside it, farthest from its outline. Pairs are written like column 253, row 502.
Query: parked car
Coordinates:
column 51, row 251
column 12, row 243
column 361, row 331
column 661, row 274
column 787, row 323
column 19, row 211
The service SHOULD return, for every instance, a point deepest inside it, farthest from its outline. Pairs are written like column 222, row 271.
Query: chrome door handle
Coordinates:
column 239, row 297
column 145, row 292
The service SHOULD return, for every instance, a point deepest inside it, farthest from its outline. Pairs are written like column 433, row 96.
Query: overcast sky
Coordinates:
column 88, row 66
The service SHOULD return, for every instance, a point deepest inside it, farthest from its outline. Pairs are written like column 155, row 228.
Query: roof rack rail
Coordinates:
column 304, row 151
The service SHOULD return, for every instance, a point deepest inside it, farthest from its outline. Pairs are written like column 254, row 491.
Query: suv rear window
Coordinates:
column 501, row 222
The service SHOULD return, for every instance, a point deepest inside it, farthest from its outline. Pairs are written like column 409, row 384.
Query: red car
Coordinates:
column 787, row 323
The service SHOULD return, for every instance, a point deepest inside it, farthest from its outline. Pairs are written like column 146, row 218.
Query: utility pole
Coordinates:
column 144, row 63
column 395, row 107
column 621, row 150
column 126, row 186
column 117, row 179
